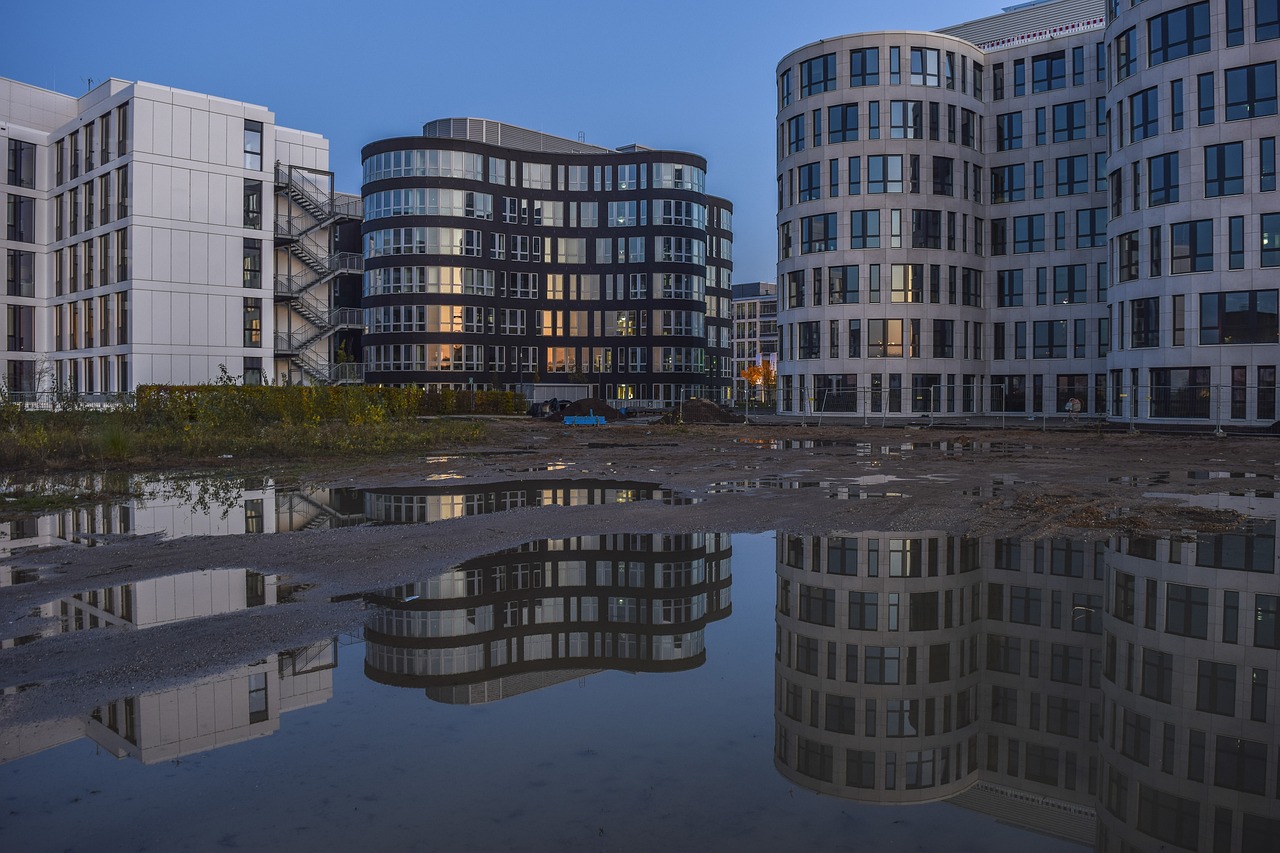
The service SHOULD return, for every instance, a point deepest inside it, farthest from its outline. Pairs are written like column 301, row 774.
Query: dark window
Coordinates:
column 1162, row 179
column 818, row 75
column 22, row 164
column 253, row 145
column 1146, row 322
column 252, row 263
column 1224, row 169
column 1251, row 91
column 1191, row 247
column 1068, row 121
column 810, row 181
column 1008, row 131
column 842, row 123
column 818, row 233
column 1187, row 610
column 1239, row 317
column 1048, row 71
column 1216, row 688
column 864, row 67
column 1178, row 33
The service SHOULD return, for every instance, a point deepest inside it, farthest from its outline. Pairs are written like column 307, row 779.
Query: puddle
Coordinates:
column 1227, row 475
column 711, row 679
column 161, row 601
column 549, row 612
column 1159, row 478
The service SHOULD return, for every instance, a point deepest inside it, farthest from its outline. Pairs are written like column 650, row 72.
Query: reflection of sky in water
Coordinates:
column 680, row 760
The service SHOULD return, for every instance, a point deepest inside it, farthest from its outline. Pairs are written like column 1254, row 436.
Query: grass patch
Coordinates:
column 167, row 426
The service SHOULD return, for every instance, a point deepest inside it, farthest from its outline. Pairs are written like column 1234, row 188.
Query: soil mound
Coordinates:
column 702, row 412
column 590, row 406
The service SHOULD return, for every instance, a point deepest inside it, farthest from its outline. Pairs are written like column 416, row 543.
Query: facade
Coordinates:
column 1114, row 693
column 1062, row 202
column 497, row 256
column 755, row 330
column 140, row 242
column 552, row 611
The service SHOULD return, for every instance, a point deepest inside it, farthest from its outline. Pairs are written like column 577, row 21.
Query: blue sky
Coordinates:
column 694, row 76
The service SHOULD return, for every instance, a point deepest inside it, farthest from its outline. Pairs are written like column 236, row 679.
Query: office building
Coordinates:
column 755, row 332
column 1066, row 204
column 498, row 256
column 153, row 235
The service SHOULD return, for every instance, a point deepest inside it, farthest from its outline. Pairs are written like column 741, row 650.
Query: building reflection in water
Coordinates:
column 168, row 724
column 552, row 611
column 1112, row 693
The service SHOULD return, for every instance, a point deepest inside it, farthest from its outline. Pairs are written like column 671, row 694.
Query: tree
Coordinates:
column 761, row 378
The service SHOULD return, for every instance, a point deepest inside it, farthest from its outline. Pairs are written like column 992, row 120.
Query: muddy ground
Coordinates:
column 1005, row 482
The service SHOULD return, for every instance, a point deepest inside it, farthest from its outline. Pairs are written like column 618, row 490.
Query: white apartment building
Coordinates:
column 142, row 225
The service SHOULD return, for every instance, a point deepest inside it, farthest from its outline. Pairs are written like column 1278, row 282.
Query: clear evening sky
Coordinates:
column 694, row 75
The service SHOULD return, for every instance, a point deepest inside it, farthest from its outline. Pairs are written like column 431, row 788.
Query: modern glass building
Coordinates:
column 1064, row 205
column 497, row 256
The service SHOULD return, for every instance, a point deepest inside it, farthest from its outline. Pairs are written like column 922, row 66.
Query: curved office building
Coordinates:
column 498, row 256
column 1061, row 202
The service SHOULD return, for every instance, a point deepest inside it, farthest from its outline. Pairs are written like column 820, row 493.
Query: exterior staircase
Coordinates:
column 302, row 232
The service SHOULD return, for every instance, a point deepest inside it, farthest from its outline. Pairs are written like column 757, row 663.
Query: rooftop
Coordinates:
column 1031, row 22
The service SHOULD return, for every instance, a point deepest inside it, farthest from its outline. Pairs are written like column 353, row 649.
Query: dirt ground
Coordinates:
column 739, row 478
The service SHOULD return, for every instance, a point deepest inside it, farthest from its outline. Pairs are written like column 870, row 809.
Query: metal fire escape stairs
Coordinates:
column 303, row 228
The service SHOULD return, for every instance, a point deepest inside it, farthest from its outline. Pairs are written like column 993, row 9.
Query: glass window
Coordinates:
column 818, row 75
column 1178, row 33
column 1251, row 91
column 1191, row 247
column 864, row 67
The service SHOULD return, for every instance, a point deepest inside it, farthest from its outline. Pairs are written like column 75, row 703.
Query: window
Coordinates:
column 906, row 119
column 1204, row 99
column 842, row 285
column 21, row 213
column 1069, row 285
column 253, row 322
column 1028, row 233
column 864, row 229
column 1191, row 247
column 883, row 665
column 1091, row 228
column 818, row 75
column 795, row 134
column 253, row 204
column 1180, row 392
column 1068, row 121
column 810, row 182
column 1224, row 169
column 1239, row 317
column 1008, row 183
column 1048, row 71
column 1145, row 326
column 1178, row 33
column 884, row 173
column 817, row 605
column 1009, row 289
column 253, row 145
column 864, row 67
column 842, row 123
column 1009, row 131
column 1175, row 105
column 1216, row 688
column 943, row 176
column 926, row 229
column 1251, row 91
column 252, row 263
column 1187, row 610
column 1157, row 675
column 884, row 338
column 1126, row 53
column 20, row 273
column 1270, row 239
column 785, row 91
column 818, row 233
column 863, row 607
column 925, row 67
column 1073, row 175
column 22, row 164
column 1050, row 339
column 1266, row 20
column 1162, row 179
column 1144, row 114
